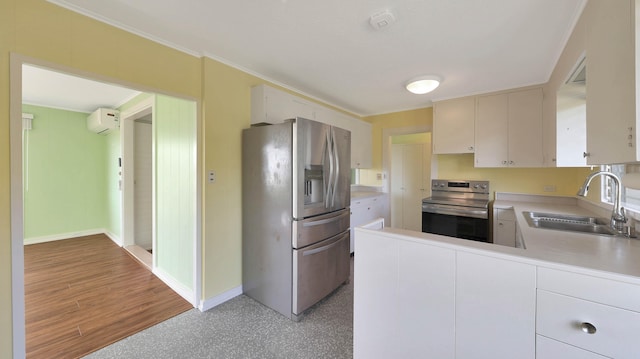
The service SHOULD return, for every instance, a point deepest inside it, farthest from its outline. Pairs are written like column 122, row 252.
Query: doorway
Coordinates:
column 137, row 181
column 179, row 266
column 410, row 176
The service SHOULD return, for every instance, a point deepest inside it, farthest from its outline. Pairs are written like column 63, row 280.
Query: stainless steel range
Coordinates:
column 457, row 208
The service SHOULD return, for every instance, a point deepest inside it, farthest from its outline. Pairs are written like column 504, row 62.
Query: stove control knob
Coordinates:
column 476, row 186
column 484, row 186
column 442, row 185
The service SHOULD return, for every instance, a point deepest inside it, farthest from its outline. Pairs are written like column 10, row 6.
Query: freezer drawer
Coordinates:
column 315, row 229
column 318, row 270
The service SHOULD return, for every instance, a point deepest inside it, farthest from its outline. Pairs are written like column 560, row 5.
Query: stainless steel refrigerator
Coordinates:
column 295, row 213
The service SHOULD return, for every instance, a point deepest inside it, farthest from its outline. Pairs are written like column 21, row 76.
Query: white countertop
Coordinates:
column 614, row 257
column 355, row 195
column 600, row 252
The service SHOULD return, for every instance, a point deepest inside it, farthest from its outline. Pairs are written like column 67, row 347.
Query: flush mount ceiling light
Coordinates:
column 423, row 84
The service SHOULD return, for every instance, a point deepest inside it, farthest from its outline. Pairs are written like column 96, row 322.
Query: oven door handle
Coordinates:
column 437, row 209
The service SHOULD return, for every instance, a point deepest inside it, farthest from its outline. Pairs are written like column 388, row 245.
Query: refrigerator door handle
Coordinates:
column 330, row 189
column 310, row 252
column 337, row 169
column 326, row 220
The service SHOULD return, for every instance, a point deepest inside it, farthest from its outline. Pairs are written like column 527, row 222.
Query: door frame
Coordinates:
column 127, row 143
column 17, row 198
column 387, row 133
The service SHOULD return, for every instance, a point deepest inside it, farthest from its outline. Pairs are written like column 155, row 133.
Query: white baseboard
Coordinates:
column 219, row 299
column 181, row 289
column 61, row 236
column 116, row 239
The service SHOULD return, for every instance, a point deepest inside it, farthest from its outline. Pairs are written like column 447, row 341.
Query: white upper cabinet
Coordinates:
column 360, row 144
column 612, row 85
column 454, row 126
column 509, row 129
column 270, row 105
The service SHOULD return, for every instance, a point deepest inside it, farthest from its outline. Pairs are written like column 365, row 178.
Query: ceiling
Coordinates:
column 57, row 90
column 328, row 50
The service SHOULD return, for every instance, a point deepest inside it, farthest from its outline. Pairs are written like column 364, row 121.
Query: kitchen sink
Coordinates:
column 563, row 222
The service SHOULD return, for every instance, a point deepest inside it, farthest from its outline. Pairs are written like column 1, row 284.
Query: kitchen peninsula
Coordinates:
column 567, row 295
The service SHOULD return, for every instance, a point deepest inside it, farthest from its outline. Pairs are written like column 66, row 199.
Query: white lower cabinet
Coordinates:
column 552, row 349
column 607, row 327
column 495, row 308
column 403, row 300
column 364, row 211
column 425, row 299
column 504, row 227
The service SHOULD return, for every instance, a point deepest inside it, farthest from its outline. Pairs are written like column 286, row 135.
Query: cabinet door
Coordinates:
column 403, row 300
column 504, row 227
column 611, row 63
column 360, row 144
column 271, row 105
column 358, row 218
column 495, row 308
column 525, row 128
column 491, row 141
column 454, row 126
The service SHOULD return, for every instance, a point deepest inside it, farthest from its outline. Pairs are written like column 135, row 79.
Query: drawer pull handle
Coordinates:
column 588, row 328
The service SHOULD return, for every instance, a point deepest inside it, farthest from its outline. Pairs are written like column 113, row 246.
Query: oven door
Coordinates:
column 458, row 226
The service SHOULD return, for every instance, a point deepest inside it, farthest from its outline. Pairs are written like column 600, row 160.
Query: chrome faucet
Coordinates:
column 618, row 219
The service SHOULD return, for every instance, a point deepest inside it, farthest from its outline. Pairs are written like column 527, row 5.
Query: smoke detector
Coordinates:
column 381, row 19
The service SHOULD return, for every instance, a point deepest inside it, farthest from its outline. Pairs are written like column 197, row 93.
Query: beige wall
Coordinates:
column 37, row 29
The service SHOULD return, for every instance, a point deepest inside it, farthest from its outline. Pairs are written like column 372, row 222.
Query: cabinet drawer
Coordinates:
column 567, row 319
column 552, row 349
column 600, row 290
column 505, row 214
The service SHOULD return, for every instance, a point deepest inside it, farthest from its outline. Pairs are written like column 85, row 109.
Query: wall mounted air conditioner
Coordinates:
column 103, row 121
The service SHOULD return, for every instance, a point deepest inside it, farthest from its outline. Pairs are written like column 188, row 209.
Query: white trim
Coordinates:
column 219, row 299
column 17, row 207
column 186, row 293
column 112, row 236
column 68, row 235
column 121, row 26
column 387, row 133
column 141, row 109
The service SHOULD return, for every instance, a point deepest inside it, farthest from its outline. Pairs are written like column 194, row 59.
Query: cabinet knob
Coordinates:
column 470, row 148
column 504, row 162
column 588, row 328
column 586, row 154
column 510, row 162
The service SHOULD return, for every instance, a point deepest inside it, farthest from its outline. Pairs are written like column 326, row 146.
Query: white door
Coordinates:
column 142, row 201
column 410, row 170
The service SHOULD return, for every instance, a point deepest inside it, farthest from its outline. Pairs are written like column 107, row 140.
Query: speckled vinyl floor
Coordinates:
column 244, row 328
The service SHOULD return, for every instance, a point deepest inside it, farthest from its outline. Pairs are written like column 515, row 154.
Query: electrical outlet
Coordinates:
column 212, row 176
column 379, row 176
column 549, row 188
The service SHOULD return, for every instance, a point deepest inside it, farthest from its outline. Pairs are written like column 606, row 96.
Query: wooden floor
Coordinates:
column 85, row 293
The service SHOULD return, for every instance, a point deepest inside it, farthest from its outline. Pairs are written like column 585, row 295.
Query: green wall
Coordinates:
column 175, row 161
column 64, row 175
